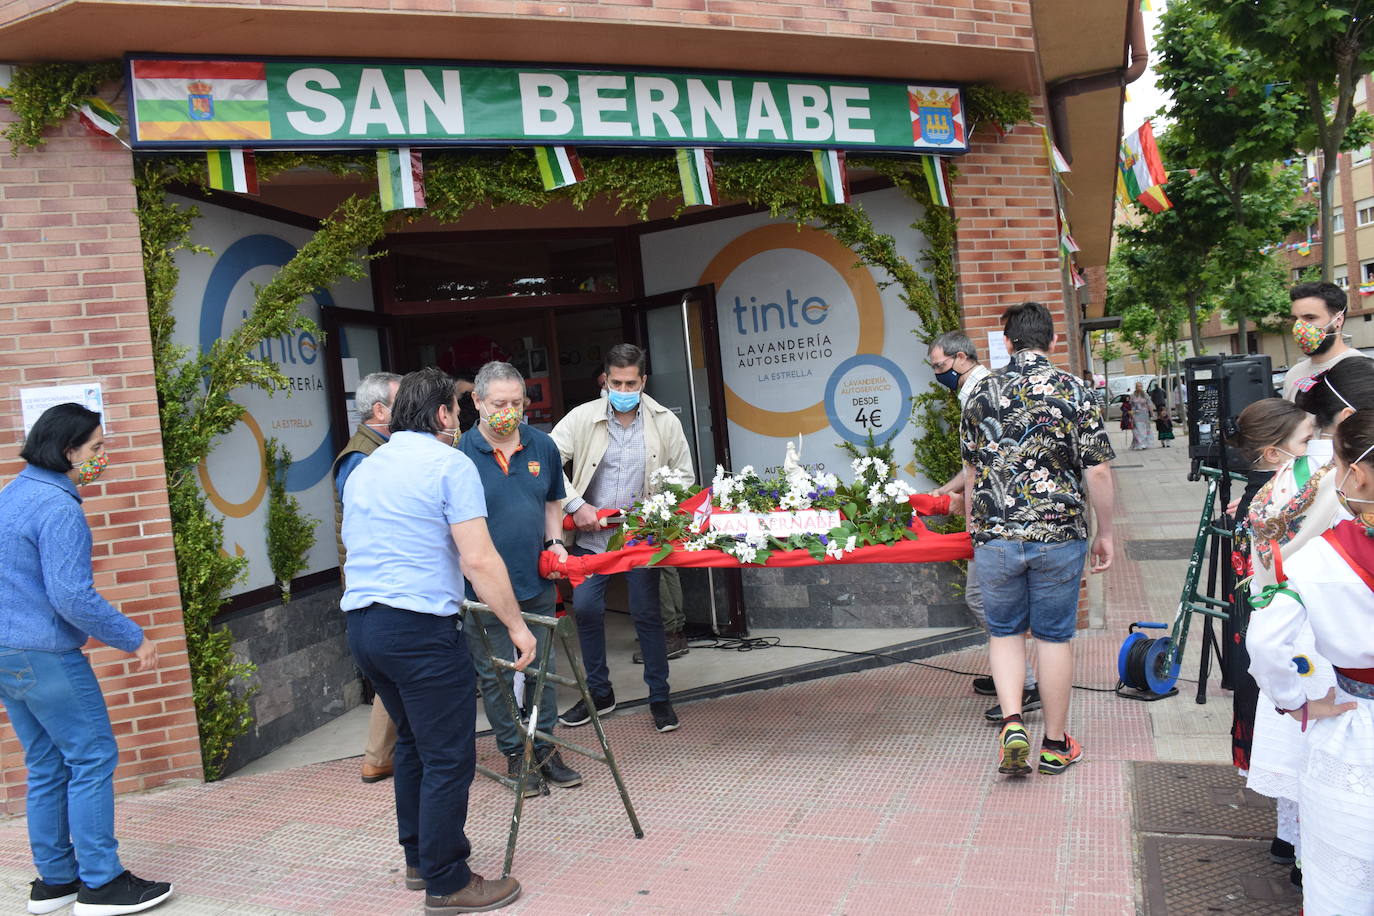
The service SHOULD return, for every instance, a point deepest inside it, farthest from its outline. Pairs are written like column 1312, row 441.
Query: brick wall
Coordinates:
column 72, row 309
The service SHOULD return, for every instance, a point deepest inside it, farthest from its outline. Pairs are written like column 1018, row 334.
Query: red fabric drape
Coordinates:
column 929, row 547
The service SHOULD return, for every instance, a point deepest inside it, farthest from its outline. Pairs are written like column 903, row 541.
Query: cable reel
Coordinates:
column 1143, row 665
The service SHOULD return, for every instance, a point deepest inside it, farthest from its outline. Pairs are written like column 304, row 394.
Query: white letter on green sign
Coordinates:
column 594, row 105
column 656, row 97
column 375, row 105
column 446, row 106
column 540, row 93
column 810, row 120
column 298, row 87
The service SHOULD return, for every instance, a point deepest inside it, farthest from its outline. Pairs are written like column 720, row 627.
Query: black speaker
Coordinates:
column 1218, row 388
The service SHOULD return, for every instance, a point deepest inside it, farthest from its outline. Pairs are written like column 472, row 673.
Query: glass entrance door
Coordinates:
column 678, row 330
column 356, row 344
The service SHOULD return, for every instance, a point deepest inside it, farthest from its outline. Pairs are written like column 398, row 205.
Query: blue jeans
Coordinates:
column 422, row 672
column 589, row 607
column 1031, row 584
column 57, row 710
column 508, row 736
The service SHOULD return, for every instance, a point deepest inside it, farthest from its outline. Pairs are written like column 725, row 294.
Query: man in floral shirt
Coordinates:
column 1033, row 441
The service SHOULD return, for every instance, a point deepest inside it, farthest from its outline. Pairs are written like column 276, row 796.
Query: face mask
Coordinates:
column 949, row 378
column 1322, row 450
column 1284, row 451
column 451, row 434
column 90, row 469
column 624, row 401
column 1312, row 339
column 504, row 421
column 1363, row 517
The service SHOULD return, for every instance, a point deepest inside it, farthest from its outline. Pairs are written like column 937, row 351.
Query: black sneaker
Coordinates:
column 534, row 783
column 1295, row 877
column 1030, row 702
column 48, row 898
column 556, row 772
column 665, row 720
column 1281, row 852
column 125, row 894
column 580, row 715
column 984, row 687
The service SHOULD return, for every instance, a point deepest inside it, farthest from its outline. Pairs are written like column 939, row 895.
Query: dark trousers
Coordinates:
column 422, row 672
column 589, row 607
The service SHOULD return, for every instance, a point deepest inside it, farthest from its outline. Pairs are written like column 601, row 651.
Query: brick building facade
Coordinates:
column 72, row 302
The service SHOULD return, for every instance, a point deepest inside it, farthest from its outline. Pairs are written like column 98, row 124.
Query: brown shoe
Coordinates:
column 376, row 774
column 413, row 880
column 479, row 896
column 677, row 647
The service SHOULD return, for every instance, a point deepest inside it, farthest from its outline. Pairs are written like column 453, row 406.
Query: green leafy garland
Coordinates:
column 290, row 533
column 43, row 96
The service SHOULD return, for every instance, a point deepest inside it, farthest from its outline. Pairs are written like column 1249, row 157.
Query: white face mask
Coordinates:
column 1322, row 450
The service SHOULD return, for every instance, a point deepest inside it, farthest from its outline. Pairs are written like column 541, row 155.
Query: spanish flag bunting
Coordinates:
column 99, row 117
column 831, row 175
column 937, row 179
column 232, row 170
column 401, row 178
column 558, row 166
column 1154, row 199
column 1057, row 160
column 697, row 170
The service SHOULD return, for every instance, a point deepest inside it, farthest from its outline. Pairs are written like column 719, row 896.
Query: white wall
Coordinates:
column 213, row 296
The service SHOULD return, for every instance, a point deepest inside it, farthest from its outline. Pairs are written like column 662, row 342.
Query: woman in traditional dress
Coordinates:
column 1142, row 409
column 1327, row 589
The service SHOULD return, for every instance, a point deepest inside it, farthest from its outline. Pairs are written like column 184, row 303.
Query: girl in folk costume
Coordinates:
column 1328, row 587
column 1298, row 505
column 1164, row 425
column 1142, row 411
column 1126, row 421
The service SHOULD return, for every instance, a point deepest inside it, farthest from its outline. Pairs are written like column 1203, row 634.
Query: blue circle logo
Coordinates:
column 868, row 394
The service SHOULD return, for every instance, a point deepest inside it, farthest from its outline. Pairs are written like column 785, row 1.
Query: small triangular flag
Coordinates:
column 831, row 175
column 558, row 166
column 937, row 179
column 99, row 117
column 232, row 170
column 696, row 168
column 1057, row 160
column 400, row 178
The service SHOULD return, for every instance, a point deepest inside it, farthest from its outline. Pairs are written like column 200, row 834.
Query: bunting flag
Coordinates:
column 831, row 175
column 232, row 170
column 1078, row 281
column 1067, row 246
column 558, row 166
column 1141, row 172
column 937, row 179
column 401, row 178
column 1057, row 160
column 696, row 168
column 99, row 117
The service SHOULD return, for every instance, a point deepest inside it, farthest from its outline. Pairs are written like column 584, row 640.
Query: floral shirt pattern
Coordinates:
column 1028, row 431
column 1281, row 507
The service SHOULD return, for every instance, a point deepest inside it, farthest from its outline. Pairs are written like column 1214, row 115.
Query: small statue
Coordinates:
column 793, row 459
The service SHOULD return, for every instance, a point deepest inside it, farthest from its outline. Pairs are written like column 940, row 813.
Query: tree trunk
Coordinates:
column 1242, row 335
column 1329, row 162
column 1193, row 322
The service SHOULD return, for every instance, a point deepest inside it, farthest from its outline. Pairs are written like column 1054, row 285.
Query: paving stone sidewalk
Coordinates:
column 856, row 794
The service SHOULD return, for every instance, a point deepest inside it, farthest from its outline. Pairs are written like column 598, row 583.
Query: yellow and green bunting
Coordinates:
column 936, row 178
column 400, row 178
column 831, row 176
column 558, row 166
column 232, row 170
column 698, row 173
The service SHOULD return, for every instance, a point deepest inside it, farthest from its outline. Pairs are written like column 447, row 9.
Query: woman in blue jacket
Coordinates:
column 48, row 609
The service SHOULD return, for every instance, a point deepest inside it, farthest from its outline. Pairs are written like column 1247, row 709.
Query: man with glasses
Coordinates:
column 954, row 359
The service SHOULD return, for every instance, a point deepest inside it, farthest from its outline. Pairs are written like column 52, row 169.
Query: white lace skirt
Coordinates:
column 1278, row 749
column 1337, row 805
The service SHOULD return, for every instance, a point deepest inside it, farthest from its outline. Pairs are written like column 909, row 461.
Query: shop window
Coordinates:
column 1364, row 212
column 463, row 269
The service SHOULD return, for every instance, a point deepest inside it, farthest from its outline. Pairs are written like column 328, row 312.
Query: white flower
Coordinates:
column 897, row 490
column 849, row 544
column 875, row 494
column 880, row 467
column 827, row 481
column 746, row 471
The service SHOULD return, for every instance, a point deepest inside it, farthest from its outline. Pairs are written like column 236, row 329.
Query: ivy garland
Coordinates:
column 194, row 388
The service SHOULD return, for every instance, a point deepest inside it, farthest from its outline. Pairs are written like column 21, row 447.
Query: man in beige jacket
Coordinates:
column 615, row 444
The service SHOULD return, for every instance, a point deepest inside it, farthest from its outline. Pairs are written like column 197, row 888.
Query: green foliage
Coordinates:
column 196, row 405
column 44, row 95
column 290, row 534
column 991, row 105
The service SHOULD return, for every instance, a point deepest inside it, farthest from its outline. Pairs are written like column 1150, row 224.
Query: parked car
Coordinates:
column 1119, row 388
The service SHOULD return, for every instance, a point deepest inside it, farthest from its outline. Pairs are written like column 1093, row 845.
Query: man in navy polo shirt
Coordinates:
column 522, row 477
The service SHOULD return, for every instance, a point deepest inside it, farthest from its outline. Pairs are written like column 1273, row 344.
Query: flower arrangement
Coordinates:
column 874, row 509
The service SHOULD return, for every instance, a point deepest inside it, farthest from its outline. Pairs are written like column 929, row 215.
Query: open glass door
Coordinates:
column 679, row 331
column 356, row 344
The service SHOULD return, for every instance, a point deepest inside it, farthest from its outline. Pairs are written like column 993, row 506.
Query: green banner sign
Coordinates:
column 274, row 103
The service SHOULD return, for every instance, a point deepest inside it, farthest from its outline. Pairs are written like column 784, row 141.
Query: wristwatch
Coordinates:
column 550, row 542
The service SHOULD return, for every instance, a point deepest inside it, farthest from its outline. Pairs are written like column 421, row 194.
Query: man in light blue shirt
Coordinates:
column 414, row 524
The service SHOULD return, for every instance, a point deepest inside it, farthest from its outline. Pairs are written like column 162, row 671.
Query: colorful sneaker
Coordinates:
column 1015, row 747
column 1052, row 761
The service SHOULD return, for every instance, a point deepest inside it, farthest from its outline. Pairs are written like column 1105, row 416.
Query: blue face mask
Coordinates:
column 624, row 401
column 949, row 378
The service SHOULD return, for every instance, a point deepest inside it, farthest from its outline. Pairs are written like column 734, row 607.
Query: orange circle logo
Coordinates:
column 233, row 509
column 868, row 309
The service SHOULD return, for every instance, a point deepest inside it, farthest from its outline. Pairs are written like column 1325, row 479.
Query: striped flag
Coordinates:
column 1154, row 199
column 697, row 170
column 558, row 166
column 232, row 170
column 401, row 178
column 99, row 117
column 1057, row 160
column 201, row 100
column 937, row 179
column 831, row 175
column 1140, row 166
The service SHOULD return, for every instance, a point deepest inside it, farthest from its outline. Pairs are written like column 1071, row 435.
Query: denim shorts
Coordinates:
column 1031, row 585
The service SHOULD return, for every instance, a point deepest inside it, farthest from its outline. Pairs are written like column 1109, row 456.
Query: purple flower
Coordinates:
column 811, row 495
column 825, row 539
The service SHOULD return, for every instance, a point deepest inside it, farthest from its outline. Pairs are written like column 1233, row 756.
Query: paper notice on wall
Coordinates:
column 997, row 350
column 351, row 378
column 33, row 401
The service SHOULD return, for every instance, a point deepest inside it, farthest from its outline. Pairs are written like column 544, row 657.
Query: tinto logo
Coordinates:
column 812, row 310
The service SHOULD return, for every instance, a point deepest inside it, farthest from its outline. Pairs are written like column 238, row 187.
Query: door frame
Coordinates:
column 332, row 320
